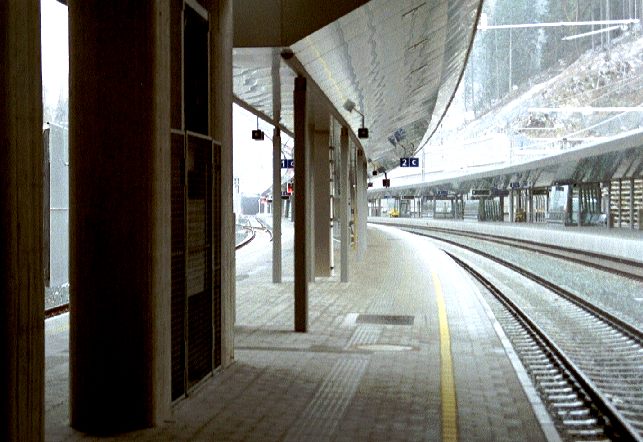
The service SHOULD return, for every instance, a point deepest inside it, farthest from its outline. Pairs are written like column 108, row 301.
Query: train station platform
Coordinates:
column 617, row 242
column 407, row 350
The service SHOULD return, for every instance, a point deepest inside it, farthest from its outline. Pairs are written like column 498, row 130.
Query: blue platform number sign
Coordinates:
column 409, row 162
column 287, row 164
column 515, row 185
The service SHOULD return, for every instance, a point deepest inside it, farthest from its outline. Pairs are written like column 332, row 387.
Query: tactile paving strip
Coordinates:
column 322, row 415
column 364, row 335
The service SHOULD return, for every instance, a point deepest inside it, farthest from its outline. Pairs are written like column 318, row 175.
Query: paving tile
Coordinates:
column 328, row 384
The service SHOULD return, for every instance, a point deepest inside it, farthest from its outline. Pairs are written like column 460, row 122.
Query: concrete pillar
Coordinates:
column 547, row 202
column 530, row 204
column 310, row 198
column 569, row 205
column 300, row 209
column 221, row 41
column 321, row 164
column 344, row 214
column 579, row 221
column 361, row 205
column 119, row 215
column 501, row 208
column 276, row 168
column 22, row 385
column 511, row 206
column 276, row 205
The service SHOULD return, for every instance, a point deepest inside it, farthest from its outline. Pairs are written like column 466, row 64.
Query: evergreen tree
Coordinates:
column 505, row 59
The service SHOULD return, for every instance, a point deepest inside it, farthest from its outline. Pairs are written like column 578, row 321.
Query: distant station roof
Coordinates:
column 612, row 158
column 396, row 62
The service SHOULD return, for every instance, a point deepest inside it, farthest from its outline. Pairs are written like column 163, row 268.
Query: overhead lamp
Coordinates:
column 257, row 134
column 362, row 132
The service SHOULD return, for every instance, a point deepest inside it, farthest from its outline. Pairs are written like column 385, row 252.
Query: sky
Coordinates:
column 55, row 52
column 252, row 159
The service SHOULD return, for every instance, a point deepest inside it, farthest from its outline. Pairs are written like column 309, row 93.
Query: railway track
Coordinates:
column 262, row 226
column 619, row 266
column 64, row 308
column 592, row 381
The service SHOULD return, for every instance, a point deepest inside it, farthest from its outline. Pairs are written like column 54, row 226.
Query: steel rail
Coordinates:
column 619, row 324
column 541, row 248
column 616, row 425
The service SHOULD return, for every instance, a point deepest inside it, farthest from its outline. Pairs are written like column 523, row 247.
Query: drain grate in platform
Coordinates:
column 385, row 319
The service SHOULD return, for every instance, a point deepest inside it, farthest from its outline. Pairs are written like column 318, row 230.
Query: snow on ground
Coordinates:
column 511, row 134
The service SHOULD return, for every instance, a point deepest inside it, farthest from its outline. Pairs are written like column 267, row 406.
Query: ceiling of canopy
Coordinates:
column 399, row 61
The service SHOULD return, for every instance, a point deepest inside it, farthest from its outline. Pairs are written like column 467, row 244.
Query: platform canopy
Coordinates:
column 398, row 61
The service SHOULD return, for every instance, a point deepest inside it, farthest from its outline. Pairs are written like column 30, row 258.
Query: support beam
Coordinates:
column 276, row 169
column 276, row 206
column 511, row 206
column 310, row 190
column 300, row 209
column 501, row 208
column 579, row 221
column 321, row 164
column 221, row 43
column 22, row 364
column 361, row 206
column 119, row 214
column 344, row 205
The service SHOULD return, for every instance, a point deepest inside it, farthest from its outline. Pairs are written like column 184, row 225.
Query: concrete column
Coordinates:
column 276, row 168
column 547, row 202
column 119, row 215
column 221, row 40
column 569, row 207
column 361, row 205
column 276, row 205
column 321, row 164
column 579, row 220
column 530, row 204
column 300, row 209
column 344, row 207
column 511, row 206
column 22, row 364
column 501, row 208
column 310, row 198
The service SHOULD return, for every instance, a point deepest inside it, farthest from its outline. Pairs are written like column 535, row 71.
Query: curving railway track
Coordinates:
column 588, row 399
column 619, row 266
column 262, row 226
column 586, row 362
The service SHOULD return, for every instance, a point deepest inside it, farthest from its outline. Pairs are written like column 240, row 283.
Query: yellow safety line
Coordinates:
column 447, row 381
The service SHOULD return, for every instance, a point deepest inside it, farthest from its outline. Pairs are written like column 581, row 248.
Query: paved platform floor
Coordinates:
column 382, row 377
